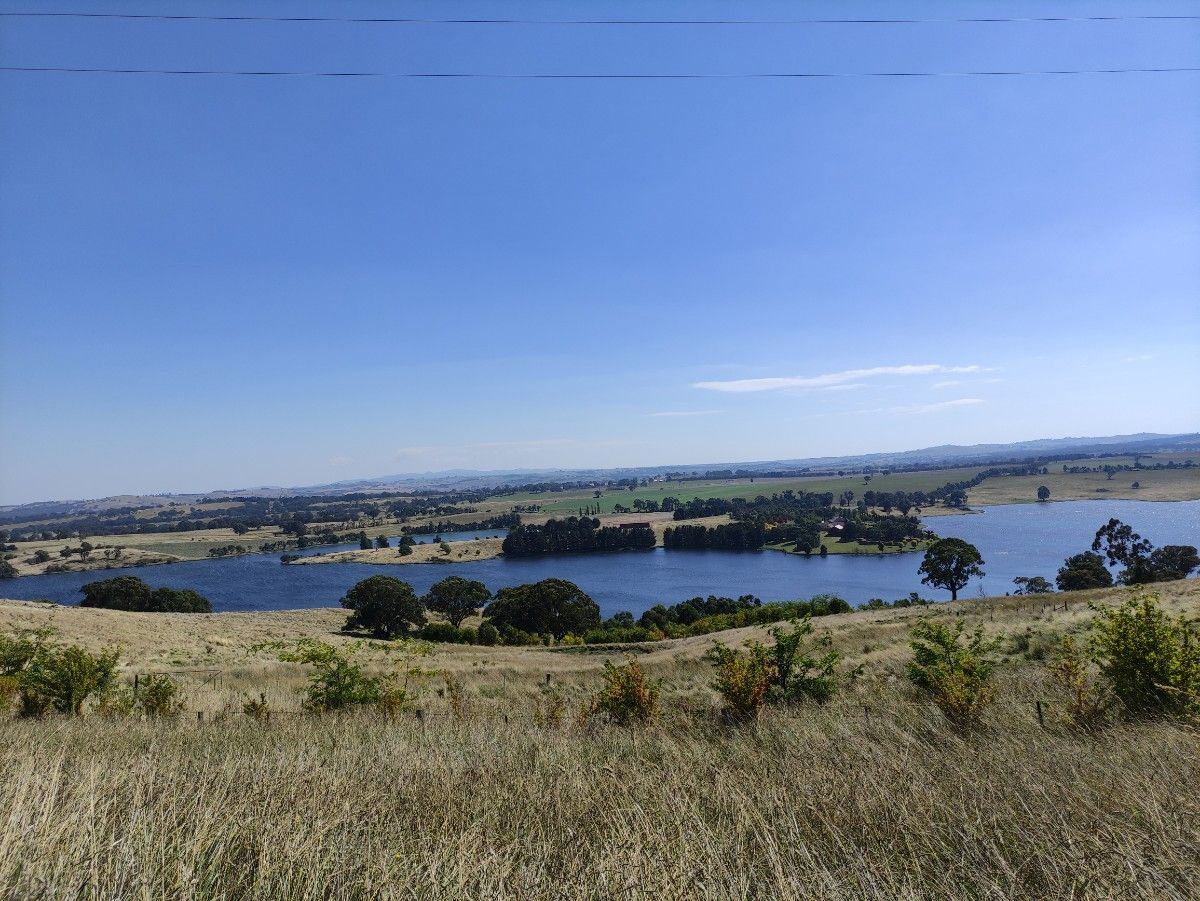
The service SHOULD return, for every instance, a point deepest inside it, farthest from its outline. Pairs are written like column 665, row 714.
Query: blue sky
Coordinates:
column 213, row 282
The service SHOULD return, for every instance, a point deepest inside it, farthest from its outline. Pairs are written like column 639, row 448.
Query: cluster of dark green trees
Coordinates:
column 551, row 609
column 548, row 611
column 1118, row 545
column 131, row 593
column 574, row 535
column 735, row 536
column 501, row 521
column 703, row 616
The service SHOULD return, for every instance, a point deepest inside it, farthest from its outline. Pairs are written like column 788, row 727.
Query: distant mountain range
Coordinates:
column 467, row 479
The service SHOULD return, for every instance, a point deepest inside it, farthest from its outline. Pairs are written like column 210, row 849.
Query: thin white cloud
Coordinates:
column 1140, row 358
column 673, row 413
column 831, row 380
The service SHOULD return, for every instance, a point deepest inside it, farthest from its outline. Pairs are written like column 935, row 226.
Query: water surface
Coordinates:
column 1015, row 540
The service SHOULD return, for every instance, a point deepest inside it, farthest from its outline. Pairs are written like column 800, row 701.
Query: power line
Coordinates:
column 382, row 20
column 615, row 76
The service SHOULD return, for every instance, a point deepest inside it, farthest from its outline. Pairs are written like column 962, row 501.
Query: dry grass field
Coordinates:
column 870, row 796
column 469, row 549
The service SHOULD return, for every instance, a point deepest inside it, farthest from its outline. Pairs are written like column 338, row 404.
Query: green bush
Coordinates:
column 627, row 696
column 446, row 633
column 1150, row 661
column 337, row 681
column 956, row 674
column 63, row 678
column 489, row 635
column 799, row 674
column 158, row 696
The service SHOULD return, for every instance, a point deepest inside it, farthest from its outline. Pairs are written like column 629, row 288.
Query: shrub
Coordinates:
column 548, row 711
column 383, row 606
column 456, row 694
column 9, row 688
column 158, row 696
column 337, row 681
column 257, row 708
column 7, row 570
column 799, row 673
column 445, row 633
column 627, row 696
column 1087, row 701
column 957, row 675
column 743, row 679
column 1150, row 661
column 63, row 678
column 489, row 635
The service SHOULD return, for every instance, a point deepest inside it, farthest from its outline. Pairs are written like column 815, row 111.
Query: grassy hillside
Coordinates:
column 871, row 795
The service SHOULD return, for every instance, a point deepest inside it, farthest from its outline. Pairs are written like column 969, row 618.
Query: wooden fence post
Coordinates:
column 1041, row 717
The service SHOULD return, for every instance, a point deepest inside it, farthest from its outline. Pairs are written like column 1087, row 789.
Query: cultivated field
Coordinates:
column 869, row 796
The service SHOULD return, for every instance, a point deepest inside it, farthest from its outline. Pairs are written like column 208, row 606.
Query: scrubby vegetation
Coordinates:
column 403, row 778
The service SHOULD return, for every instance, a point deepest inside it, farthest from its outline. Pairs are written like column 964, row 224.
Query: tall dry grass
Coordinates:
column 815, row 803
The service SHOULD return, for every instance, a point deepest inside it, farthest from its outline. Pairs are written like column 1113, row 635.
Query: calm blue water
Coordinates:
column 1016, row 540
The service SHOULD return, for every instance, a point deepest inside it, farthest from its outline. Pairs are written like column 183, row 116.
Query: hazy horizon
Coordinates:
column 433, row 473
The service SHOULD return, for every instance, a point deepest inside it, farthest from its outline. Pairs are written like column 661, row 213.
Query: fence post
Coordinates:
column 199, row 716
column 421, row 718
column 135, row 686
column 1041, row 717
column 547, row 678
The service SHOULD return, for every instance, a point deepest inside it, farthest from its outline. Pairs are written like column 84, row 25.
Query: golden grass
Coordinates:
column 1155, row 485
column 815, row 803
column 466, row 550
column 871, row 796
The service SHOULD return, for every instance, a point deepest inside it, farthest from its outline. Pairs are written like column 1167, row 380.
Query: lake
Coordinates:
column 1015, row 540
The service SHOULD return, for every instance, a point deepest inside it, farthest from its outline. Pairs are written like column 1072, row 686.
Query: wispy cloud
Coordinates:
column 673, row 413
column 1140, row 358
column 832, row 380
